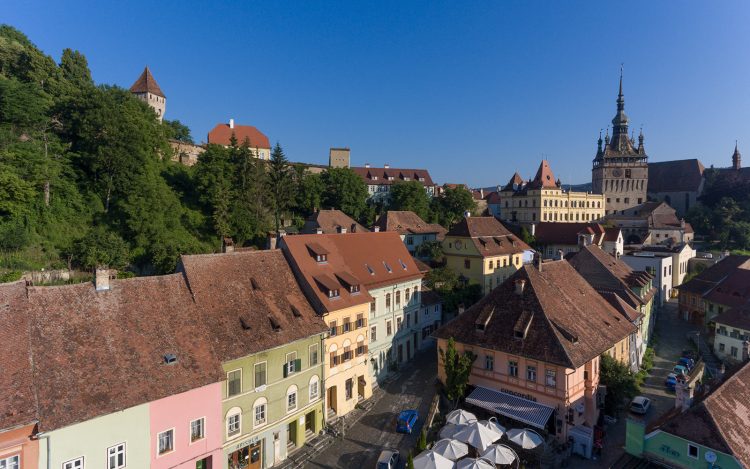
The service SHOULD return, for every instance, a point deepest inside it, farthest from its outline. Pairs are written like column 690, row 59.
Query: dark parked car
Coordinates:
column 407, row 419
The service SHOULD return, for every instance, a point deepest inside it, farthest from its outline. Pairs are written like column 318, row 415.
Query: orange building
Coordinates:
column 537, row 339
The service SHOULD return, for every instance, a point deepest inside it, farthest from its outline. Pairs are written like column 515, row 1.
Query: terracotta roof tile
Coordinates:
column 97, row 352
column 675, row 176
column 222, row 135
column 256, row 285
column 547, row 233
column 565, row 320
column 489, row 236
column 733, row 290
column 18, row 403
column 380, row 176
column 544, row 178
column 407, row 222
column 330, row 221
column 146, row 83
column 712, row 276
column 738, row 317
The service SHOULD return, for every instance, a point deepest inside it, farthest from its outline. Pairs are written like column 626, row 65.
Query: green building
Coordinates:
column 714, row 433
column 269, row 340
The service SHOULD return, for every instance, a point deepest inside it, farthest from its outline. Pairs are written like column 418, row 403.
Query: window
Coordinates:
column 360, row 321
column 291, row 400
column 260, row 374
column 387, row 301
column 321, row 257
column 467, row 264
column 373, row 334
column 693, row 451
column 734, row 352
column 398, row 299
column 550, row 378
column 388, row 328
column 333, row 331
column 333, row 293
column 489, row 362
column 11, row 462
column 314, row 352
column 234, row 383
column 372, row 306
column 531, row 373
column 233, row 424
column 409, row 240
column 314, row 390
column 166, row 441
column 115, row 457
column 349, row 388
column 74, row 464
column 408, row 319
column 260, row 413
column 291, row 363
column 347, row 325
column 407, row 295
column 347, row 355
column 721, row 347
column 513, row 368
column 399, row 323
column 197, row 429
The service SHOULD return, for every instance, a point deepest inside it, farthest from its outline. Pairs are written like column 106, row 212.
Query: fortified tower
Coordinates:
column 145, row 88
column 620, row 169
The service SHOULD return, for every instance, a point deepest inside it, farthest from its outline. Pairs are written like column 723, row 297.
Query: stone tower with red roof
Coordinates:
column 146, row 89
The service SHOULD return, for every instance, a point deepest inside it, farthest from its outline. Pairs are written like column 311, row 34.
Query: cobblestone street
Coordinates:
column 413, row 388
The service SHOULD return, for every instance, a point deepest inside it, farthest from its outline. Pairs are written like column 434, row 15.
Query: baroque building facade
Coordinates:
column 620, row 169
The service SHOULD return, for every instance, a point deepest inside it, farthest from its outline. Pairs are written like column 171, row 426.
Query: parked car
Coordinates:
column 407, row 419
column 680, row 370
column 688, row 363
column 388, row 460
column 640, row 405
column 671, row 381
column 688, row 354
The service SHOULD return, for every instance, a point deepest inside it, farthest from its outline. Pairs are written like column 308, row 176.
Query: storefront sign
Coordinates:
column 668, row 450
column 245, row 444
column 528, row 397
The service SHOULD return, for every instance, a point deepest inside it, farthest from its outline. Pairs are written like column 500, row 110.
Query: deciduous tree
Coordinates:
column 457, row 367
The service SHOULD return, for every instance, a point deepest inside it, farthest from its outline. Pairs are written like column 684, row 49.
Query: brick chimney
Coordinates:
column 227, row 245
column 560, row 254
column 520, row 284
column 102, row 276
column 376, row 229
column 386, row 166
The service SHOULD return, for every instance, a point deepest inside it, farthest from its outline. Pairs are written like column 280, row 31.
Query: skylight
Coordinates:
column 403, row 266
column 387, row 267
column 369, row 269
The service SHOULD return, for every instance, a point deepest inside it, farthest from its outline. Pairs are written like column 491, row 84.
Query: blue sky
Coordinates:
column 470, row 90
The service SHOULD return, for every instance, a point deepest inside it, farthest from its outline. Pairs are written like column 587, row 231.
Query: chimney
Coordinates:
column 520, row 284
column 227, row 245
column 341, row 229
column 682, row 223
column 272, row 240
column 353, row 229
column 318, row 230
column 376, row 229
column 101, row 278
column 538, row 259
column 386, row 166
column 461, row 308
column 560, row 254
column 367, row 165
column 231, row 123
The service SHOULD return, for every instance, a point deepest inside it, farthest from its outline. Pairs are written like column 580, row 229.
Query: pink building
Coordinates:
column 186, row 429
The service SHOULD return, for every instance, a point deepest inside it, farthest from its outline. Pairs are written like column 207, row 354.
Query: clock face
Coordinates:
column 459, row 245
column 617, row 173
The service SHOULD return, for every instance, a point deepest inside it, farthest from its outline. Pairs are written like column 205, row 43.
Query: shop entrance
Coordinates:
column 310, row 422
column 248, row 457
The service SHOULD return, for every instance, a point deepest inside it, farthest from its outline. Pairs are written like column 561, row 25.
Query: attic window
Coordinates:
column 318, row 252
column 170, row 358
column 321, row 257
column 421, row 179
column 333, row 293
column 521, row 328
column 369, row 269
column 480, row 325
column 274, row 324
column 387, row 267
column 403, row 266
column 296, row 312
column 254, row 283
column 374, row 178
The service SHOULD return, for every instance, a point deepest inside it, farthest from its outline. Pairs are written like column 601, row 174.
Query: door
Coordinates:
column 400, row 353
column 277, row 455
column 254, row 456
column 310, row 422
column 291, row 433
column 416, row 344
column 332, row 399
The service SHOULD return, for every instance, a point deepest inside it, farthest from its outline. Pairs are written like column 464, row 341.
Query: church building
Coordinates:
column 620, row 169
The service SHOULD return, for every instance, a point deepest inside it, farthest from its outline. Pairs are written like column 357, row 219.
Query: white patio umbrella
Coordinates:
column 525, row 438
column 451, row 449
column 450, row 430
column 478, row 436
column 432, row 460
column 500, row 454
column 460, row 417
column 471, row 463
column 493, row 426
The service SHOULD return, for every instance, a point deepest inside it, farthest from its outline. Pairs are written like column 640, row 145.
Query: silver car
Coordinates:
column 388, row 460
column 640, row 405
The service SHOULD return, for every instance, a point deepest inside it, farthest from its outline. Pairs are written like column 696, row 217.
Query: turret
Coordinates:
column 736, row 158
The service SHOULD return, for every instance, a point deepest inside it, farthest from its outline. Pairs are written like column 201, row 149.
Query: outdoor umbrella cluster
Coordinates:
column 432, row 460
column 471, row 463
column 525, row 438
column 478, row 435
column 451, row 449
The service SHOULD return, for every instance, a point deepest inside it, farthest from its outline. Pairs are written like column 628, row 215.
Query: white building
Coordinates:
column 658, row 264
column 732, row 339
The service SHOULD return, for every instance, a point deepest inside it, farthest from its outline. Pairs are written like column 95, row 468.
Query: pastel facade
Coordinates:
column 380, row 180
column 413, row 230
column 657, row 264
column 92, row 442
column 543, row 199
column 19, row 448
column 273, row 402
column 732, row 335
column 186, row 429
column 483, row 251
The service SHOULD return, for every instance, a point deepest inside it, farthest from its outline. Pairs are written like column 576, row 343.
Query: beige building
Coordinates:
column 146, row 89
column 339, row 158
column 543, row 199
column 483, row 251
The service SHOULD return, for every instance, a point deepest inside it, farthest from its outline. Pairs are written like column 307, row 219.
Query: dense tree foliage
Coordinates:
column 620, row 381
column 410, row 195
column 451, row 206
column 457, row 368
column 724, row 213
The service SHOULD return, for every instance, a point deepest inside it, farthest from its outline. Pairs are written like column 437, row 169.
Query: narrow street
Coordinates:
column 413, row 388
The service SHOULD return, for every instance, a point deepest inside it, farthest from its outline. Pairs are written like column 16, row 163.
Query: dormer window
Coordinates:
column 421, row 179
column 334, row 293
column 321, row 258
column 374, row 178
column 328, row 286
column 390, row 178
column 318, row 252
column 349, row 281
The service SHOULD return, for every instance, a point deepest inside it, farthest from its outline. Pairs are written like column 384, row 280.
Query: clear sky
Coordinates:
column 471, row 90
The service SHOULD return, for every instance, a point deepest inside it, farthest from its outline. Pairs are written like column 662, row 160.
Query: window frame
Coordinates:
column 314, row 380
column 202, row 420
column 228, row 383
column 160, row 453
column 292, row 391
column 290, row 369
column 227, row 423
column 265, row 374
column 697, row 451
column 513, row 368
column 124, row 456
column 69, row 464
column 313, row 351
column 531, row 369
column 260, row 403
column 8, row 457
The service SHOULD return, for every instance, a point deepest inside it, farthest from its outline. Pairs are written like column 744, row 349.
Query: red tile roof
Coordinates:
column 146, row 83
column 548, row 233
column 243, row 295
column 406, row 222
column 733, row 290
column 18, row 402
column 566, row 322
column 222, row 135
column 675, row 176
column 489, row 236
column 380, row 176
column 544, row 178
column 330, row 221
column 721, row 420
column 98, row 352
column 738, row 317
column 712, row 276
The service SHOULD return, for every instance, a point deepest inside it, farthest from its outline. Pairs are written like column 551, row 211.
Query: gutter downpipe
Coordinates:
column 44, row 435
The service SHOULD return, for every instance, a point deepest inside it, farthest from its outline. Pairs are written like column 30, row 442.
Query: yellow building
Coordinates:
column 483, row 251
column 344, row 303
column 544, row 199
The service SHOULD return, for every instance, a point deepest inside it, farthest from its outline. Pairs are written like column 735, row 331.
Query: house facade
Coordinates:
column 537, row 343
column 732, row 337
column 543, row 199
column 380, row 180
column 657, row 264
column 653, row 223
column 256, row 140
column 483, row 251
column 413, row 230
column 555, row 238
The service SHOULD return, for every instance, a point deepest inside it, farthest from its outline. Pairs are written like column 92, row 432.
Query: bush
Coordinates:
column 10, row 276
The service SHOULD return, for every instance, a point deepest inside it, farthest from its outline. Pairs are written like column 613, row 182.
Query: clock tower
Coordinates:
column 620, row 169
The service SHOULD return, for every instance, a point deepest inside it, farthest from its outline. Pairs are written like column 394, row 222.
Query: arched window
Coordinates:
column 234, row 422
column 291, row 398
column 260, row 412
column 398, row 298
column 387, row 301
column 313, row 388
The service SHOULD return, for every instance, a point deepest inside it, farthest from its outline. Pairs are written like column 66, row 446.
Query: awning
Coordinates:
column 515, row 407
